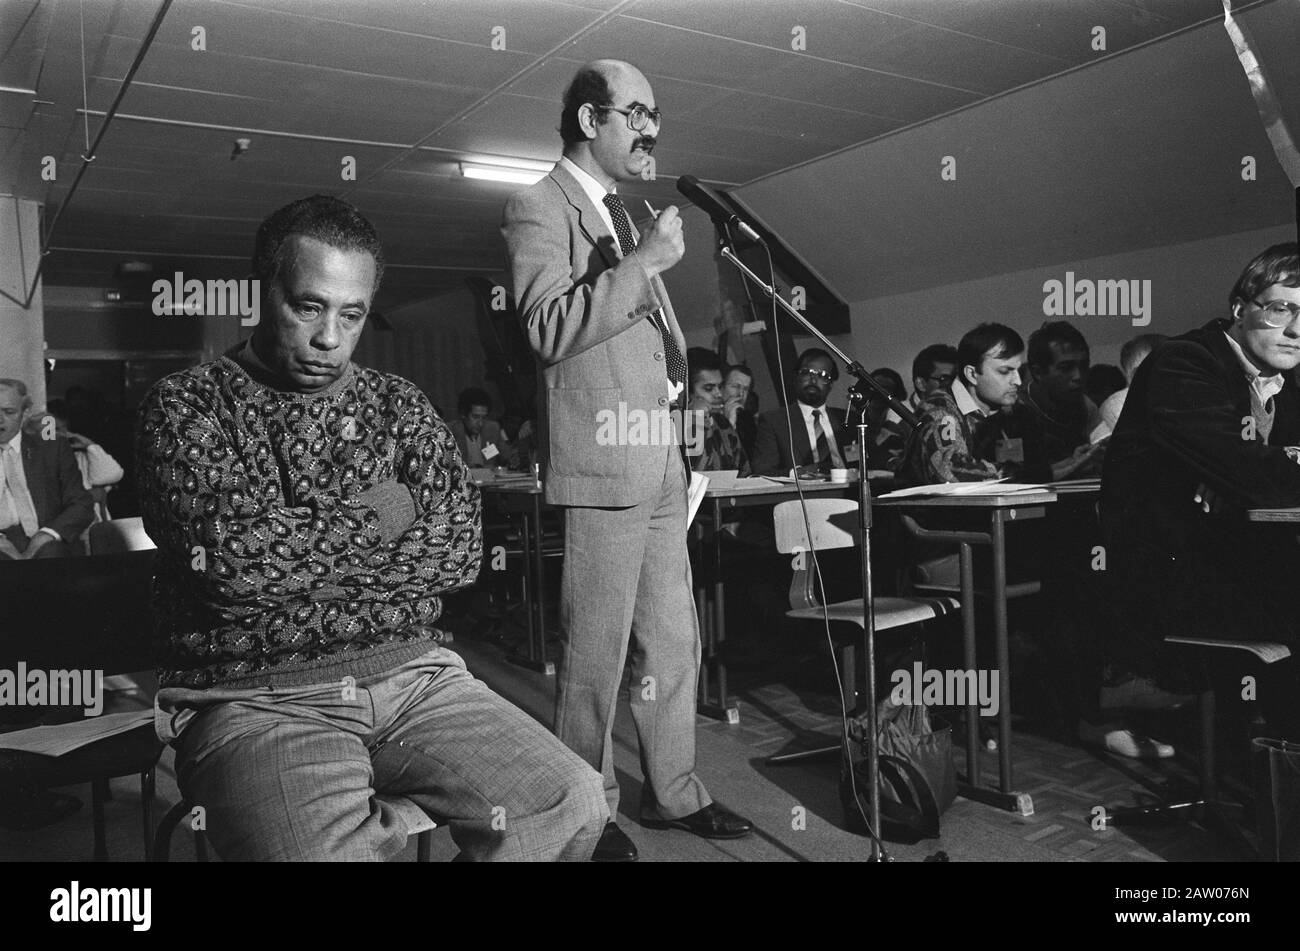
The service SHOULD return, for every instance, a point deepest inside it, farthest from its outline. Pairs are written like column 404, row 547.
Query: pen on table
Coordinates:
column 650, row 208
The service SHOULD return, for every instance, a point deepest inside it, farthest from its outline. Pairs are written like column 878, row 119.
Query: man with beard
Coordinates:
column 598, row 317
column 806, row 435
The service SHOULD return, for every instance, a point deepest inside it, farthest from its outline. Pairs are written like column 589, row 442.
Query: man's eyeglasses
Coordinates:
column 638, row 117
column 809, row 373
column 1277, row 313
column 944, row 378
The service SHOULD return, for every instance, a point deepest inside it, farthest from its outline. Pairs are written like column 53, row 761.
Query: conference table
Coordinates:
column 521, row 498
column 1001, row 511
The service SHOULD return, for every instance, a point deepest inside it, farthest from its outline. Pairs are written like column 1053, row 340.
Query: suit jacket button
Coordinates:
column 658, row 355
column 663, row 401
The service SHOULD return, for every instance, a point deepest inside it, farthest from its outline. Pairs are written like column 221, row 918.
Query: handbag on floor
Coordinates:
column 918, row 781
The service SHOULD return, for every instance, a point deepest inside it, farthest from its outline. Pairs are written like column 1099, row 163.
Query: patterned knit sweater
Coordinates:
column 273, row 567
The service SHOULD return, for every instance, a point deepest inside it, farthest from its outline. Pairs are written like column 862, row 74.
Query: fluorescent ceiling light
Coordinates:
column 515, row 174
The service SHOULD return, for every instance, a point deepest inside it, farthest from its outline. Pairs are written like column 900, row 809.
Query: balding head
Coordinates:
column 596, row 137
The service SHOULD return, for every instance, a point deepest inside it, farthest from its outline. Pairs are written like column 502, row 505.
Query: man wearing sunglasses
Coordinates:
column 597, row 315
column 821, row 441
column 1210, row 428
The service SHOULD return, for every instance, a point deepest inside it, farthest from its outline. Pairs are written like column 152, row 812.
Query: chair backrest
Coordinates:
column 119, row 535
column 831, row 521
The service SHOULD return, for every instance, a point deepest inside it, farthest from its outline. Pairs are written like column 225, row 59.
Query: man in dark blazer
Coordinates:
column 815, row 373
column 600, row 323
column 1210, row 428
column 44, row 505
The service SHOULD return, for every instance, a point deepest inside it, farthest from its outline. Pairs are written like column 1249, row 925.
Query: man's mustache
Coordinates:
column 646, row 142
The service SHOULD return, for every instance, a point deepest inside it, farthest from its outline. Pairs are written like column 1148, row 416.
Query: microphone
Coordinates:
column 710, row 202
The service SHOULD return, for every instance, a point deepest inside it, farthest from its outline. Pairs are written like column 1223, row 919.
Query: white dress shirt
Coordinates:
column 836, row 459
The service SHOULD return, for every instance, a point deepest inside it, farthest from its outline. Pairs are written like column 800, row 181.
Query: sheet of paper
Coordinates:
column 695, row 495
column 66, row 737
column 989, row 487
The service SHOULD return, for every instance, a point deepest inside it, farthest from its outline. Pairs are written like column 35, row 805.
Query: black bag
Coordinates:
column 918, row 781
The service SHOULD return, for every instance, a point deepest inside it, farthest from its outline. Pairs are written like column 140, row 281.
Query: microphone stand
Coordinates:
column 864, row 523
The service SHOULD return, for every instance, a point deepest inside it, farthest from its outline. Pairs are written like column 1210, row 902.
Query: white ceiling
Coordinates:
column 409, row 87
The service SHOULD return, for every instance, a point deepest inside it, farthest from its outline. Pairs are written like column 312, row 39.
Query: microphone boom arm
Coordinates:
column 854, row 368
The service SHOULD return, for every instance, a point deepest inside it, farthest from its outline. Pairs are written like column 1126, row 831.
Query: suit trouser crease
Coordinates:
column 627, row 589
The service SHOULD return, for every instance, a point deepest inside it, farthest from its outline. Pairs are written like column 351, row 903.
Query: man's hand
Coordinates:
column 663, row 245
column 38, row 541
column 731, row 407
column 78, row 441
column 1084, row 456
column 7, row 549
column 1211, row 502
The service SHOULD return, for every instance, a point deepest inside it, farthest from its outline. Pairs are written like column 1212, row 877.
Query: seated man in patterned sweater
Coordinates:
column 308, row 514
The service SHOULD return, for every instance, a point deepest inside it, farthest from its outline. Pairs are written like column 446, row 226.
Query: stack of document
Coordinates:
column 990, row 487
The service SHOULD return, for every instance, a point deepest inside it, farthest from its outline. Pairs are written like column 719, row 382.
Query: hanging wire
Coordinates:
column 85, row 98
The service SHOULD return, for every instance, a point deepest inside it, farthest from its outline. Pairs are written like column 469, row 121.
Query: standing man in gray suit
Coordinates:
column 598, row 317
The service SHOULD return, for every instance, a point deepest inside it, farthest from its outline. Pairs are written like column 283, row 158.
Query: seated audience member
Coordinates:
column 44, row 506
column 1058, row 366
column 479, row 439
column 934, row 368
column 1211, row 428
column 1131, row 356
column 99, row 470
column 712, row 442
column 978, row 430
column 821, row 440
column 886, row 433
column 975, row 432
column 309, row 513
column 1103, row 380
column 737, row 387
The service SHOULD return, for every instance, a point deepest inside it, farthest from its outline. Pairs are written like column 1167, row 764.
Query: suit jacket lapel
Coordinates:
column 34, row 471
column 801, row 447
column 589, row 220
column 592, row 225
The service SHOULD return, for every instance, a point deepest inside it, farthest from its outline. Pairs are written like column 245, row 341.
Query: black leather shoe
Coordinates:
column 711, row 822
column 614, row 845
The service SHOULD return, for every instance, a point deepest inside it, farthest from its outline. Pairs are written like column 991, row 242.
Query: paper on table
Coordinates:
column 66, row 737
column 989, row 487
column 695, row 495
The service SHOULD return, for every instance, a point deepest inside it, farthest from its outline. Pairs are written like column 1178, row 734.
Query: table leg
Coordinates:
column 968, row 658
column 539, row 576
column 1003, row 650
column 709, row 607
column 530, row 536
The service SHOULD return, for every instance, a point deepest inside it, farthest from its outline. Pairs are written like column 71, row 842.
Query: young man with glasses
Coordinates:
column 597, row 315
column 821, row 441
column 1211, row 428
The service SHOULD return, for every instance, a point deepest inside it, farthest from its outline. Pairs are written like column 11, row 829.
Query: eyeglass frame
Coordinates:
column 824, row 375
column 1293, row 310
column 654, row 115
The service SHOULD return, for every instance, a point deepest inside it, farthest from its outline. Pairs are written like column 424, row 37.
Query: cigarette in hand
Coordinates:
column 650, row 208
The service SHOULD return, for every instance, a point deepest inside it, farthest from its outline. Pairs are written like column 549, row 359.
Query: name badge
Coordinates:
column 490, row 452
column 1010, row 450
